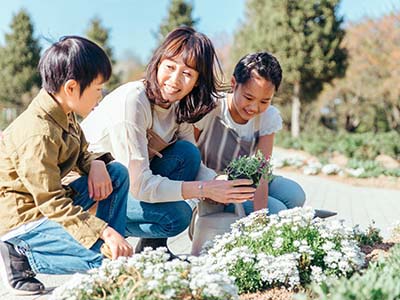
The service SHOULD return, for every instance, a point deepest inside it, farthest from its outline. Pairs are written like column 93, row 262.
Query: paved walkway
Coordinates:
column 356, row 205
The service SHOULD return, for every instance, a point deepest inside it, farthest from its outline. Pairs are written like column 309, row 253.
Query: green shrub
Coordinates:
column 369, row 237
column 290, row 249
column 285, row 140
column 361, row 146
column 380, row 281
column 372, row 168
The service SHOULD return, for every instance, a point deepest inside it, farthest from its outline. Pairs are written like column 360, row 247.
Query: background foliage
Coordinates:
column 340, row 90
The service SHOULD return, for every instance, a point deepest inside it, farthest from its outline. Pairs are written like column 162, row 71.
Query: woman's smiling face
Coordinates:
column 176, row 80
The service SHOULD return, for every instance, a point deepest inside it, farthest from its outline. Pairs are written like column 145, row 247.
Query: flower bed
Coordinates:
column 290, row 249
column 149, row 276
column 263, row 257
column 380, row 281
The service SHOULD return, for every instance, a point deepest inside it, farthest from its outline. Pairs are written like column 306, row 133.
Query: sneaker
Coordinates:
column 16, row 272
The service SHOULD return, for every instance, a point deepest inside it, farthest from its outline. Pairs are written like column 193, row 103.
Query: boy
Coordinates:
column 45, row 226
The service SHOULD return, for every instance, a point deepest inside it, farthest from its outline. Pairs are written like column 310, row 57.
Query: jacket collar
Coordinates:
column 50, row 106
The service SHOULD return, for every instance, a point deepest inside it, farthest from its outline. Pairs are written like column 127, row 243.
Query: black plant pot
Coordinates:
column 254, row 178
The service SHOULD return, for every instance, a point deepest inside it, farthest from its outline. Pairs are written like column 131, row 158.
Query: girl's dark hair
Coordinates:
column 266, row 65
column 198, row 53
column 73, row 57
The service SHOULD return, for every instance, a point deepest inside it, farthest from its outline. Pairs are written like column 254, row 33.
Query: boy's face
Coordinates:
column 91, row 96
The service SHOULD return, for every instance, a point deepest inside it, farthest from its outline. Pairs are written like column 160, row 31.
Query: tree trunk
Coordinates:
column 396, row 117
column 295, row 126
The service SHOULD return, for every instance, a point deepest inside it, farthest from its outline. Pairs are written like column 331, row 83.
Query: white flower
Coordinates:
column 330, row 169
column 157, row 275
column 278, row 243
column 317, row 274
column 292, row 228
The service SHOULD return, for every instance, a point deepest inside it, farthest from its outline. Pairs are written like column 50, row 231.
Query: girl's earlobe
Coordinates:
column 233, row 83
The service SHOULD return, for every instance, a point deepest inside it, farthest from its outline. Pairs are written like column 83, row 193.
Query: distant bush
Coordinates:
column 360, row 146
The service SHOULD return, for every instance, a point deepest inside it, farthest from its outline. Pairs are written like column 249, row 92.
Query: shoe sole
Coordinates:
column 4, row 263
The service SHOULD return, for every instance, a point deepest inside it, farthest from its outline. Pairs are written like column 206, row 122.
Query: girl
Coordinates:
column 137, row 120
column 243, row 122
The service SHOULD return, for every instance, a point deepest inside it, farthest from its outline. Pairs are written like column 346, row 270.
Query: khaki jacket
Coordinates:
column 37, row 150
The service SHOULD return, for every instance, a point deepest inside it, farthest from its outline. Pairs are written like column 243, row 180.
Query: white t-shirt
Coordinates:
column 270, row 121
column 118, row 125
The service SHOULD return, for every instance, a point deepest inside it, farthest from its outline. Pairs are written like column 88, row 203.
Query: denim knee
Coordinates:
column 275, row 206
column 119, row 174
column 299, row 196
column 287, row 191
column 180, row 220
column 190, row 153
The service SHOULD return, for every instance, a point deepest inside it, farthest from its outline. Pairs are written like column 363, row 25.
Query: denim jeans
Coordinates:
column 283, row 194
column 180, row 161
column 52, row 250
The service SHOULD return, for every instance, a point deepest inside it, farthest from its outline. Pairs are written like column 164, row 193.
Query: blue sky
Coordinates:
column 133, row 22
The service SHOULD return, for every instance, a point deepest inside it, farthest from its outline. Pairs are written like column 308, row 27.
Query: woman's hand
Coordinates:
column 99, row 181
column 229, row 191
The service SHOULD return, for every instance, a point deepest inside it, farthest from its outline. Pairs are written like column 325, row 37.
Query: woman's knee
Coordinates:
column 189, row 152
column 178, row 220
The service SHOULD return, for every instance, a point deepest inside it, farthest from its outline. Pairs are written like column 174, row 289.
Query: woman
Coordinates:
column 178, row 89
column 243, row 122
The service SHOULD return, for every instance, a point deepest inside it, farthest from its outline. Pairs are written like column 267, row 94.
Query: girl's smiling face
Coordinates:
column 250, row 98
column 176, row 80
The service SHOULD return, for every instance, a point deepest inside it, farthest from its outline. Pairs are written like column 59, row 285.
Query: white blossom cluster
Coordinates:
column 157, row 278
column 288, row 249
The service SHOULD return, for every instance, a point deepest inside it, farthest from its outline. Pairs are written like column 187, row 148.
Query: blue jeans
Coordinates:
column 180, row 161
column 283, row 194
column 52, row 250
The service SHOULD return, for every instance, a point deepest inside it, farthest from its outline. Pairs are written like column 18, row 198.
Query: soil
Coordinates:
column 273, row 294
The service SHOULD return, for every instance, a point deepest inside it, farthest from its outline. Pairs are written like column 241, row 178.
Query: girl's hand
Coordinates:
column 229, row 191
column 99, row 181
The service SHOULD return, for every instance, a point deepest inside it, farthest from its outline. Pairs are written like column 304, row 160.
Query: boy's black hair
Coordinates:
column 265, row 64
column 73, row 57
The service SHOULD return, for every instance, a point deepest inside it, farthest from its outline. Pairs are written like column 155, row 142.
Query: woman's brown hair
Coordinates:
column 198, row 53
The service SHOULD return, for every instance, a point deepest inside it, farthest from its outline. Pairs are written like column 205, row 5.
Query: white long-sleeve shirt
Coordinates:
column 119, row 124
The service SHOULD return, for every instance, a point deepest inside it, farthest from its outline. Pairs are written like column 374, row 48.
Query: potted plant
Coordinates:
column 252, row 167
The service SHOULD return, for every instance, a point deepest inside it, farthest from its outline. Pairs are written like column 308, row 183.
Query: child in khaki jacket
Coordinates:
column 45, row 226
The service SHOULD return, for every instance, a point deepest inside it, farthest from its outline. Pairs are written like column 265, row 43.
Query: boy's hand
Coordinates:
column 99, row 182
column 117, row 244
